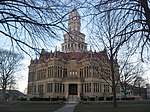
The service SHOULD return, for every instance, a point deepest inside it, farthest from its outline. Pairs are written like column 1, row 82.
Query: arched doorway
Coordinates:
column 73, row 89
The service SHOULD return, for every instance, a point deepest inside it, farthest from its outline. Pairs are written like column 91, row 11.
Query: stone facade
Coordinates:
column 74, row 71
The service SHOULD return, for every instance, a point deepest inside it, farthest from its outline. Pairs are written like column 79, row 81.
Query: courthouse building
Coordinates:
column 74, row 71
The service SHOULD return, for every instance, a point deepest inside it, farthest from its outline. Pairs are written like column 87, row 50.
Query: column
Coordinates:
column 79, row 90
column 53, row 89
column 62, row 72
column 92, row 87
column 66, row 89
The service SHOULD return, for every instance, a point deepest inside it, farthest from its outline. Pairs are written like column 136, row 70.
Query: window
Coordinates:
column 60, row 71
column 78, row 46
column 65, row 72
column 88, row 87
column 82, row 47
column 85, row 72
column 29, row 89
column 59, row 87
column 63, row 48
column 34, row 89
column 71, row 46
column 50, row 87
column 68, row 46
column 49, row 72
column 80, row 73
column 41, row 74
column 106, row 88
column 40, row 88
column 63, row 88
column 82, row 88
column 75, row 46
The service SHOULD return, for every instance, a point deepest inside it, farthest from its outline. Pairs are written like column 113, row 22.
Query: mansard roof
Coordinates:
column 78, row 56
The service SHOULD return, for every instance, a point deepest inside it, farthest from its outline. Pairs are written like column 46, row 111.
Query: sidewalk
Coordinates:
column 69, row 107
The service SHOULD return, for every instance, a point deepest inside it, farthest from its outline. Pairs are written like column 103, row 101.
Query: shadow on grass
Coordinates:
column 30, row 107
column 126, row 106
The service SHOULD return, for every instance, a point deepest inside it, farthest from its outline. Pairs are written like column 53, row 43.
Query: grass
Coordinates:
column 123, row 106
column 128, row 106
column 30, row 107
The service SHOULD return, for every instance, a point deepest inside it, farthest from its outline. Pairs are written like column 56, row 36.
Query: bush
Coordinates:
column 46, row 99
column 101, row 98
column 127, row 98
column 131, row 98
column 92, row 99
column 36, row 99
column 117, row 98
column 62, row 99
column 54, row 99
column 84, row 99
column 39, row 99
column 109, row 98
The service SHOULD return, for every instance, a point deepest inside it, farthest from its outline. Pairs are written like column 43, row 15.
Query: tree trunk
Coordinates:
column 125, row 89
column 4, row 94
column 113, row 82
column 125, row 93
column 114, row 92
column 139, row 89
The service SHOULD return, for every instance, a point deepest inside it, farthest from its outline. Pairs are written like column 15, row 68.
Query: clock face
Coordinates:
column 74, row 18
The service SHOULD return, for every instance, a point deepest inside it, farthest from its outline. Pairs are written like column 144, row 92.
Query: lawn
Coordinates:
column 123, row 106
column 30, row 107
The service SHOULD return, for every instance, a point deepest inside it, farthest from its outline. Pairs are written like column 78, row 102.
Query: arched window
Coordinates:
column 58, row 71
column 80, row 73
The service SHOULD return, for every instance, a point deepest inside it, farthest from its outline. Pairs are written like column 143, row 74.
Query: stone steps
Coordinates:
column 72, row 98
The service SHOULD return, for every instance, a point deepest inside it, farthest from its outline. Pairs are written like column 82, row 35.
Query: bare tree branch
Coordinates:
column 9, row 65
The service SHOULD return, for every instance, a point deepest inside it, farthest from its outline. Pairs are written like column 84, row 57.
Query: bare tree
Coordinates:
column 139, row 81
column 128, row 24
column 103, row 35
column 33, row 24
column 135, row 14
column 10, row 64
column 128, row 76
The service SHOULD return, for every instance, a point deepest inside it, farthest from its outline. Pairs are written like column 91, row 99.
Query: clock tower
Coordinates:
column 74, row 40
column 74, row 21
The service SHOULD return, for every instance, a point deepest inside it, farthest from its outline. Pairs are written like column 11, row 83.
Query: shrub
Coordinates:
column 54, row 99
column 46, row 99
column 117, row 98
column 109, row 98
column 36, row 99
column 101, row 98
column 92, row 99
column 84, row 99
column 127, row 98
column 62, row 99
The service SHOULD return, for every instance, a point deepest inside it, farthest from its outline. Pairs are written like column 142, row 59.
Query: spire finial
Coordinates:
column 73, row 5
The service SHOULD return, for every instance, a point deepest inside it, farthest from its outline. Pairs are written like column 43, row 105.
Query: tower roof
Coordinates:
column 74, row 40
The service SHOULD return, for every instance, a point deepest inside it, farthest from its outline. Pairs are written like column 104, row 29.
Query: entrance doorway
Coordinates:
column 73, row 89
